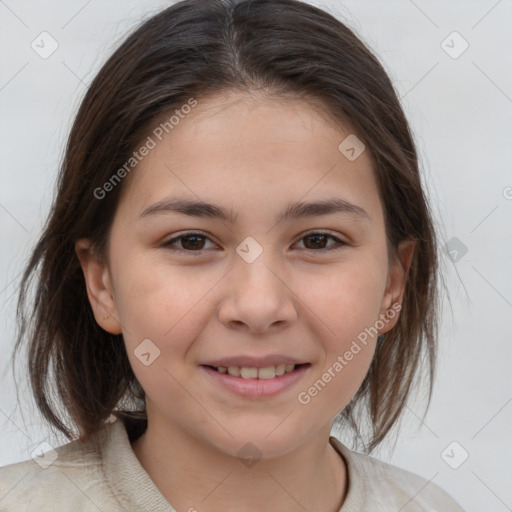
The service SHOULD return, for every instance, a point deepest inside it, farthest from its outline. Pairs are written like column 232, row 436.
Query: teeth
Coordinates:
column 265, row 373
column 248, row 373
column 234, row 370
column 268, row 372
column 280, row 369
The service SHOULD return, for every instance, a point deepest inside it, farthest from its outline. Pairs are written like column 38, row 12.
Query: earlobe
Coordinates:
column 99, row 288
column 397, row 279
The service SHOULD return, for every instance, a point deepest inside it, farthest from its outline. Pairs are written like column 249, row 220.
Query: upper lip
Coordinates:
column 254, row 362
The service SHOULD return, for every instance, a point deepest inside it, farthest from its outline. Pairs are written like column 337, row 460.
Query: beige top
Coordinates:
column 103, row 474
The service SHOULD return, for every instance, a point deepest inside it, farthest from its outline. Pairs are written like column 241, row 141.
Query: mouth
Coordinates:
column 255, row 382
column 266, row 373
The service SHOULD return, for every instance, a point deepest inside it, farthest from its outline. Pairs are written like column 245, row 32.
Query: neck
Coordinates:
column 192, row 475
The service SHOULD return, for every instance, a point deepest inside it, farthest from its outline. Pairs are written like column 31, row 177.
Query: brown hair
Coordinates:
column 190, row 49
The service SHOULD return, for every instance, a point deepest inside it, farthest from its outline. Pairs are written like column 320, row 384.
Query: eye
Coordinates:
column 194, row 242
column 190, row 242
column 319, row 239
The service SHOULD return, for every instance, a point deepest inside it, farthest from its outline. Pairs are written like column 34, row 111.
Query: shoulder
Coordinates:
column 68, row 476
column 381, row 487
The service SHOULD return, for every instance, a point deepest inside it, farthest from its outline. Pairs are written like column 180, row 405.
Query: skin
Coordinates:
column 252, row 154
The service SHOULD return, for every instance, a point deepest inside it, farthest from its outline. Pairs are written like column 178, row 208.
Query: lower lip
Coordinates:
column 257, row 387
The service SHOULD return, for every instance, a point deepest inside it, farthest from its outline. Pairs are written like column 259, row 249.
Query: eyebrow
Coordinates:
column 295, row 210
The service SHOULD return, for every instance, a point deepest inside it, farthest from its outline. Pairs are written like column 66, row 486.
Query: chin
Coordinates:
column 261, row 442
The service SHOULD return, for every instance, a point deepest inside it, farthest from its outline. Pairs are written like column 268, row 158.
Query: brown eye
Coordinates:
column 188, row 242
column 317, row 242
column 192, row 242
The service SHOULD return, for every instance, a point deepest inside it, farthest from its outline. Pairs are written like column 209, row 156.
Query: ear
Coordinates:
column 395, row 288
column 99, row 287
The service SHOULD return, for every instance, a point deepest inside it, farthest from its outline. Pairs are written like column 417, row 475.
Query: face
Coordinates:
column 190, row 289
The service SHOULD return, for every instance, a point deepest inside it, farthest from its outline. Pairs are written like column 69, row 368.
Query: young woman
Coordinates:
column 240, row 253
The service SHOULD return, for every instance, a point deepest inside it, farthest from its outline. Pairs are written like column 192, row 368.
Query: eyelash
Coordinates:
column 199, row 252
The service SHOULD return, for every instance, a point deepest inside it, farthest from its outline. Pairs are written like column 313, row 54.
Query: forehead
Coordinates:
column 248, row 150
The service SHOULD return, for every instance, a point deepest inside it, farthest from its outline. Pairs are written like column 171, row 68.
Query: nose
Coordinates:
column 257, row 297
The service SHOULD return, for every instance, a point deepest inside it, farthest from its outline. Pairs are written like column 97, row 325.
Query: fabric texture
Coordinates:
column 103, row 474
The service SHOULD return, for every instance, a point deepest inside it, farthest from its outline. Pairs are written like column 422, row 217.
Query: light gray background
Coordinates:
column 460, row 110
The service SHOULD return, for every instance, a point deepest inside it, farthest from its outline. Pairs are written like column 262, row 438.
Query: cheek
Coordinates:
column 348, row 347
column 346, row 306
column 160, row 301
column 161, row 308
column 346, row 300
